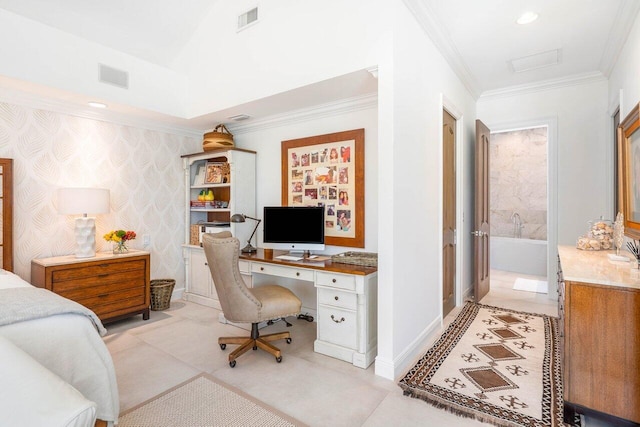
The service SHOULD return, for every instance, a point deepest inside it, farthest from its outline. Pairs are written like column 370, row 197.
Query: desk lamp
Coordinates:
column 74, row 201
column 241, row 218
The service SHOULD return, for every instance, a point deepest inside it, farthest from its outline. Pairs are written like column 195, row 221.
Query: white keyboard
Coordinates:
column 289, row 257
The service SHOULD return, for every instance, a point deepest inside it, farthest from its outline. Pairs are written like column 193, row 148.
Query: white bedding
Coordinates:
column 70, row 347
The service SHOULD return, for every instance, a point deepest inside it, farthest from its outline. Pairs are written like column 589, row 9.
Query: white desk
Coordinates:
column 345, row 303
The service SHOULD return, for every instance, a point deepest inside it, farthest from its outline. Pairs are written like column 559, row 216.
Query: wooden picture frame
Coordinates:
column 328, row 170
column 217, row 173
column 629, row 172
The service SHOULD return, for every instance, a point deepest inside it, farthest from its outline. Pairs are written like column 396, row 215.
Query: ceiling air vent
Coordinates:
column 113, row 76
column 247, row 18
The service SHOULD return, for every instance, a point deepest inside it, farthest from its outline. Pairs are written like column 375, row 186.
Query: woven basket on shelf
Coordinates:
column 161, row 290
column 219, row 137
column 368, row 259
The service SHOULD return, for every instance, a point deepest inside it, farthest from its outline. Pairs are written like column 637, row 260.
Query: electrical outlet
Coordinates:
column 146, row 240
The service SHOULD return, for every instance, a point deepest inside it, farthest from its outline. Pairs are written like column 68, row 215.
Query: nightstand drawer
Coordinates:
column 337, row 326
column 276, row 270
column 337, row 298
column 335, row 280
column 98, row 270
column 112, row 281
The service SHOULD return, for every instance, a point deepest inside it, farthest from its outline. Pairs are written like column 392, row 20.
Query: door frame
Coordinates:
column 551, row 123
column 447, row 104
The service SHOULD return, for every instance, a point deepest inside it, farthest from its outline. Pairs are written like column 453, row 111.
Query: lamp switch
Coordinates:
column 146, row 240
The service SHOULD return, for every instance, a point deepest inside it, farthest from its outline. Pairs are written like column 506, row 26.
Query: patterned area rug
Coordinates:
column 495, row 365
column 204, row 401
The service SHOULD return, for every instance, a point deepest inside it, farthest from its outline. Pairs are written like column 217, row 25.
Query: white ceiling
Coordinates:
column 479, row 38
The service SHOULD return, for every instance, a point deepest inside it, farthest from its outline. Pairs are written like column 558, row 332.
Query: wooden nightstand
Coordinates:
column 113, row 286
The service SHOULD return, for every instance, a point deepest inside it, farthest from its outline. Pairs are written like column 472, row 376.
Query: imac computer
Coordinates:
column 295, row 229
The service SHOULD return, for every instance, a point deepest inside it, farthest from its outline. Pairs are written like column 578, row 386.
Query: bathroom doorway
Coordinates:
column 519, row 202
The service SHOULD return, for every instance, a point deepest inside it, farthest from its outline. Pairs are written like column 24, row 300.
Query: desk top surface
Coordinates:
column 325, row 265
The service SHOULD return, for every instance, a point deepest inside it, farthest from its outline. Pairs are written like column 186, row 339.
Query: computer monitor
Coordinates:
column 296, row 229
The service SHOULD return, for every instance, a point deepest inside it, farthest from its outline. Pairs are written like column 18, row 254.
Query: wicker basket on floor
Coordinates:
column 161, row 290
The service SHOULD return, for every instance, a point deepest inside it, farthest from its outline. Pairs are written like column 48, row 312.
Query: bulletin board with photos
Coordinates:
column 328, row 170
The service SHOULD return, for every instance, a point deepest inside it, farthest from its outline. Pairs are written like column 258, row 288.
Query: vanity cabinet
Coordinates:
column 234, row 193
column 599, row 310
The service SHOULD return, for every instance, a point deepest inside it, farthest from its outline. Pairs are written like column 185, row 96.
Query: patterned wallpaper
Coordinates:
column 141, row 167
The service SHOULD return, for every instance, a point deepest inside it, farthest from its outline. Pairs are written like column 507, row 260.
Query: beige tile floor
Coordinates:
column 176, row 344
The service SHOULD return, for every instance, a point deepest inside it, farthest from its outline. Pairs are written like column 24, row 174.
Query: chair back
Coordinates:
column 222, row 252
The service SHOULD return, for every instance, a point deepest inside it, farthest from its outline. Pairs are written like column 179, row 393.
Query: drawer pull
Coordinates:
column 261, row 268
column 336, row 298
column 103, row 275
column 334, row 280
column 104, row 265
column 337, row 321
column 103, row 296
column 297, row 273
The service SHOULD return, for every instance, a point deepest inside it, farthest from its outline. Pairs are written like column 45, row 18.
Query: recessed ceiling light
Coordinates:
column 527, row 18
column 97, row 104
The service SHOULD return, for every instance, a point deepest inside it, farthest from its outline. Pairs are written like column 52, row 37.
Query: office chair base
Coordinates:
column 255, row 341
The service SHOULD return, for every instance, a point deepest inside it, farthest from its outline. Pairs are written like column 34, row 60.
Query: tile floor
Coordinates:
column 176, row 344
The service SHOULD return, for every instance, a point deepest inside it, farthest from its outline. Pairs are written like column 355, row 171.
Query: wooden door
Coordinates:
column 6, row 208
column 449, row 212
column 481, row 230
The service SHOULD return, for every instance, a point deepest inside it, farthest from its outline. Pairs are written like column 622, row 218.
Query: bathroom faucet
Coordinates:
column 517, row 225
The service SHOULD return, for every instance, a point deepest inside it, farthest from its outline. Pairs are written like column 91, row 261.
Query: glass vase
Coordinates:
column 120, row 248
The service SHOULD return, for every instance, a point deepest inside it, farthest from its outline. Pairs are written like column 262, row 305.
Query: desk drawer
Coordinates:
column 277, row 270
column 337, row 326
column 245, row 267
column 337, row 298
column 335, row 280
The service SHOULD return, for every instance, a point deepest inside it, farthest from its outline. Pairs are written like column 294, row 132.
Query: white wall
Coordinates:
column 292, row 45
column 142, row 168
column 414, row 78
column 40, row 54
column 624, row 76
column 583, row 159
column 266, row 141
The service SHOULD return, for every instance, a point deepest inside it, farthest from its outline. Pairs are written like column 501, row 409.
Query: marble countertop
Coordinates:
column 596, row 267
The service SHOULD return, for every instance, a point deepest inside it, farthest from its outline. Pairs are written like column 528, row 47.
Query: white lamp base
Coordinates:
column 85, row 232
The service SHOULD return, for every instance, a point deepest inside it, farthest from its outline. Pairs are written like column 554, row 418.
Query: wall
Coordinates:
column 142, row 168
column 293, row 44
column 413, row 85
column 266, row 141
column 582, row 150
column 518, row 183
column 623, row 81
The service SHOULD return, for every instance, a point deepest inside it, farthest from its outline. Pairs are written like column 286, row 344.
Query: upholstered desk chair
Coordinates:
column 246, row 305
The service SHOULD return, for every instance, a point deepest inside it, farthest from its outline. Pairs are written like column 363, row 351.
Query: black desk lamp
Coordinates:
column 241, row 218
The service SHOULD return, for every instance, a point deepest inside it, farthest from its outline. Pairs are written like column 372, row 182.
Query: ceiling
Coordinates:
column 478, row 38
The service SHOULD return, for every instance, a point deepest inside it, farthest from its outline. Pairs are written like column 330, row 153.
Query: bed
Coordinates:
column 67, row 343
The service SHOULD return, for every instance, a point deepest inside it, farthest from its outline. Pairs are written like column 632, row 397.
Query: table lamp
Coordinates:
column 241, row 218
column 75, row 201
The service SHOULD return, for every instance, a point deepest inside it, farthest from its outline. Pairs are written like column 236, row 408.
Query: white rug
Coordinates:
column 204, row 401
column 530, row 285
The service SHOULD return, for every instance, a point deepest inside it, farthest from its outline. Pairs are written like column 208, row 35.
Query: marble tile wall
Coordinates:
column 518, row 182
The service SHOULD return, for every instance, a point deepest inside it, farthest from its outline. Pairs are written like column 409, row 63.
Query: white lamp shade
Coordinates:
column 73, row 201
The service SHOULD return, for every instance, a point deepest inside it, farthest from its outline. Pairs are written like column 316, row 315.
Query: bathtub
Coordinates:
column 524, row 256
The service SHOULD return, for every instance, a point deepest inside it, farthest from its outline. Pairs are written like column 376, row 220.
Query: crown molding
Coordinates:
column 31, row 100
column 576, row 79
column 426, row 18
column 344, row 106
column 625, row 18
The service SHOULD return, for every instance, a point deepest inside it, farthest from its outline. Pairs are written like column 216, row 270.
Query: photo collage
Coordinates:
column 324, row 175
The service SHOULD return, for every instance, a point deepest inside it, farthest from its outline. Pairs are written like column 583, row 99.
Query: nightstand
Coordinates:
column 112, row 286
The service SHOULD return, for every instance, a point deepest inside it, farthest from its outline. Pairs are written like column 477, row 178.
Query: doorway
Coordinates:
column 519, row 206
column 448, row 212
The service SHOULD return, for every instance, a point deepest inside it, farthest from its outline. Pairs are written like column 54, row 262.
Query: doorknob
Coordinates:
column 479, row 233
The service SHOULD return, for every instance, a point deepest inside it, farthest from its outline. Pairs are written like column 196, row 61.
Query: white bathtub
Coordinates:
column 524, row 256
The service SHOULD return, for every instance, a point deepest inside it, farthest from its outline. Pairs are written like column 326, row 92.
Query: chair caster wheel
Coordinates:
column 279, row 359
column 223, row 346
column 288, row 340
column 232, row 363
column 255, row 347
